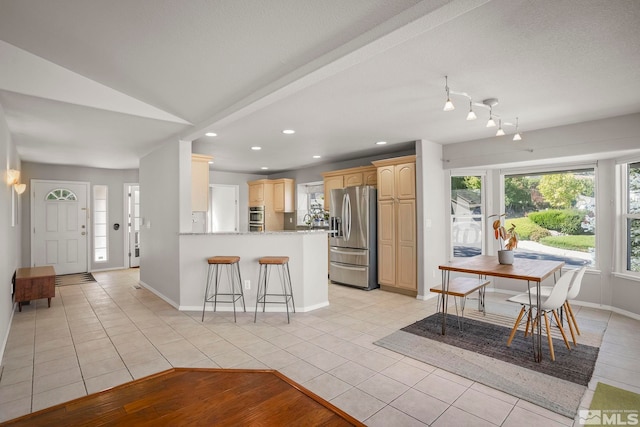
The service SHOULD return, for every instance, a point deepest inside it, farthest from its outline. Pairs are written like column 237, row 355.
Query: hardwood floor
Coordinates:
column 193, row 396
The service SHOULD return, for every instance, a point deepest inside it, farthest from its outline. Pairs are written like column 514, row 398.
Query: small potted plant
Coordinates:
column 507, row 237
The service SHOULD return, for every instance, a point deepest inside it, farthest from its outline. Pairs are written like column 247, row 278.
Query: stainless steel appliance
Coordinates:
column 256, row 218
column 353, row 237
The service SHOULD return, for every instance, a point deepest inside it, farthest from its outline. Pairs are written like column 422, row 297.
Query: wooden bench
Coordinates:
column 34, row 283
column 462, row 287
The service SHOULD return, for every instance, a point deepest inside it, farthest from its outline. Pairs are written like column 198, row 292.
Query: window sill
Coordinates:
column 627, row 276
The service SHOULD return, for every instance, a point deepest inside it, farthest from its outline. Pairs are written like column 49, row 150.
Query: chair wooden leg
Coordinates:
column 570, row 323
column 564, row 336
column 546, row 321
column 573, row 318
column 515, row 327
column 526, row 329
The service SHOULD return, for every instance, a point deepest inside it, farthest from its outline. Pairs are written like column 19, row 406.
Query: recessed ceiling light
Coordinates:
column 381, row 142
column 316, row 156
column 288, row 131
column 264, row 168
column 210, row 162
column 211, row 134
column 256, row 148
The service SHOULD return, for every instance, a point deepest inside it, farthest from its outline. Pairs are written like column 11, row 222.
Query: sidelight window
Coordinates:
column 100, row 237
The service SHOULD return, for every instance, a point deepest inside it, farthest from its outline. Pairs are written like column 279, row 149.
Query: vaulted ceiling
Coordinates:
column 102, row 83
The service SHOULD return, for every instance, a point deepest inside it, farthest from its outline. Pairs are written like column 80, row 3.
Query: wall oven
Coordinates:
column 256, row 218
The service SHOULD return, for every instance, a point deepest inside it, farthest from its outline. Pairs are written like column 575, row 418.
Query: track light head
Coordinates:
column 448, row 106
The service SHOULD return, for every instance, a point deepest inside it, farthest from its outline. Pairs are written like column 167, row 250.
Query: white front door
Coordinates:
column 59, row 218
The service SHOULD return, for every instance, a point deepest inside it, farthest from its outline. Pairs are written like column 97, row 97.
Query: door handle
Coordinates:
column 83, row 233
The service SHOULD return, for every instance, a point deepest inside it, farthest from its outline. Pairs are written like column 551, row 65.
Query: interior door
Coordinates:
column 134, row 225
column 59, row 219
column 224, row 208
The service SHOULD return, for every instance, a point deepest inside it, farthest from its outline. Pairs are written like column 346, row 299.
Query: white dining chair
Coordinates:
column 551, row 303
column 574, row 290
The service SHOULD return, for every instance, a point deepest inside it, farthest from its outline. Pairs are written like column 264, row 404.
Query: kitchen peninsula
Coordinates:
column 307, row 252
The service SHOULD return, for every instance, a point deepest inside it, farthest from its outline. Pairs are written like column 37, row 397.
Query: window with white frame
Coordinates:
column 631, row 214
column 467, row 218
column 310, row 202
column 100, row 236
column 554, row 213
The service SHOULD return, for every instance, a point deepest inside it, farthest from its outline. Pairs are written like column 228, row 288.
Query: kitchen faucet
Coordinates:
column 308, row 219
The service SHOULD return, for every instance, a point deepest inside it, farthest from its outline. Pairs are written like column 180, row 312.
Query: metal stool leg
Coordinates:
column 293, row 304
column 232, row 290
column 259, row 291
column 284, row 290
column 217, row 284
column 206, row 290
column 244, row 308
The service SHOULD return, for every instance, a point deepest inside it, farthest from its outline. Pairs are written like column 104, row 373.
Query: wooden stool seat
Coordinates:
column 223, row 259
column 274, row 260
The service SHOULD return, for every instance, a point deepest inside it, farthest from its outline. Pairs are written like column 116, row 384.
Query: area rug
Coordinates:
column 74, row 279
column 480, row 354
column 612, row 406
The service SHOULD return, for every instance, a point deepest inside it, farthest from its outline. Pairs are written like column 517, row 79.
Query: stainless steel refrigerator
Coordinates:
column 353, row 237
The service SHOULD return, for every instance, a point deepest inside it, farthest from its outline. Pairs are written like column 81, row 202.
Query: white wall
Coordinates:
column 432, row 221
column 159, row 193
column 10, row 240
column 598, row 141
column 114, row 179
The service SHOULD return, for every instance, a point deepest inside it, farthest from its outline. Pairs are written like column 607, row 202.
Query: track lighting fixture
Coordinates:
column 490, row 122
column 448, row 106
column 471, row 115
column 488, row 103
column 517, row 136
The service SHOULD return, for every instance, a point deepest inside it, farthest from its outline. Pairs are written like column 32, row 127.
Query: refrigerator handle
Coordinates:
column 344, row 217
column 348, row 204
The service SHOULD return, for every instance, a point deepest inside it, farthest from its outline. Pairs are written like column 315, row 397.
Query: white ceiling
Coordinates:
column 101, row 83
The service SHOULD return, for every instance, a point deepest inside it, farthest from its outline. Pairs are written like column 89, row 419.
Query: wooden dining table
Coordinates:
column 533, row 271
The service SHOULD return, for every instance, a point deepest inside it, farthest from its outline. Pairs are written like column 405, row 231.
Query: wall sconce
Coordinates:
column 13, row 178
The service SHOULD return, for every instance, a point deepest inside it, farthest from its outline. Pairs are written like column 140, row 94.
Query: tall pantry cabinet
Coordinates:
column 397, row 239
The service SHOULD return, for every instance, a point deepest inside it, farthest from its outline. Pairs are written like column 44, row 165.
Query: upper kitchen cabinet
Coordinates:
column 283, row 195
column 257, row 192
column 397, row 181
column 200, row 182
column 352, row 177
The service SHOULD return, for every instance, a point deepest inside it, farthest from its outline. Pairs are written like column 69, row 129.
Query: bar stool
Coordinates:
column 232, row 264
column 285, row 279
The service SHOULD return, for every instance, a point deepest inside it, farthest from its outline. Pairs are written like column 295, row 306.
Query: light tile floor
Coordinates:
column 96, row 336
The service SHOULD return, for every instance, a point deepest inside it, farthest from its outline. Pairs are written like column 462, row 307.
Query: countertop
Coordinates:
column 260, row 233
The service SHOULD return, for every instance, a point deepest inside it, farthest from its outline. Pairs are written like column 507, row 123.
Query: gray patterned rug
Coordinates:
column 480, row 354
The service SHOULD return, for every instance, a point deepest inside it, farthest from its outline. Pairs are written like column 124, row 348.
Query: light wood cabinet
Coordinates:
column 283, row 195
column 352, row 177
column 397, row 239
column 256, row 193
column 277, row 197
column 330, row 183
column 200, row 182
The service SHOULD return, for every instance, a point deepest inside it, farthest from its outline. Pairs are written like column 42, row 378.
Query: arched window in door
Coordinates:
column 61, row 194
